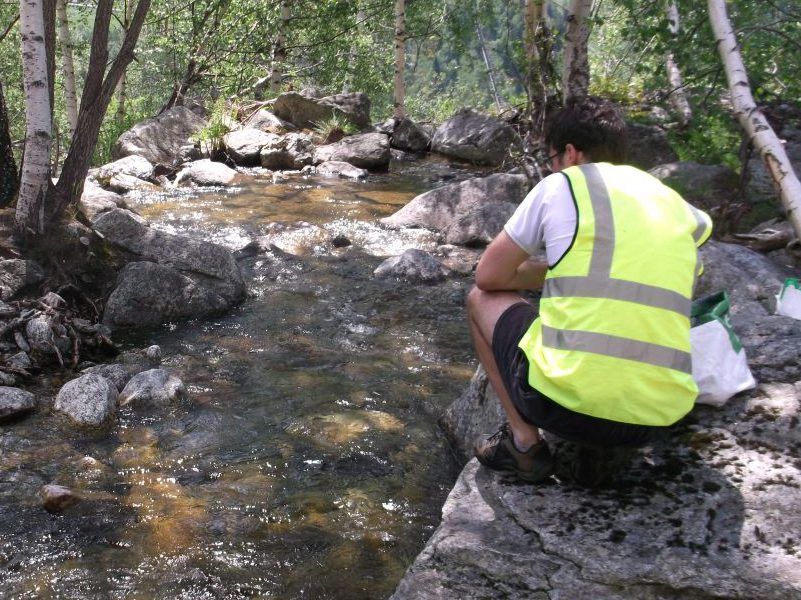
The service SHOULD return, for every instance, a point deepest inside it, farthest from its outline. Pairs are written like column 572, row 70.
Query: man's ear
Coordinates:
column 574, row 156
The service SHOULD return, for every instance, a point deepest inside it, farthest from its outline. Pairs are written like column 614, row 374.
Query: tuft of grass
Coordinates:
column 336, row 125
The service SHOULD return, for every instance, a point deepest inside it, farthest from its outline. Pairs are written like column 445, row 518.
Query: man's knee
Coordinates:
column 474, row 299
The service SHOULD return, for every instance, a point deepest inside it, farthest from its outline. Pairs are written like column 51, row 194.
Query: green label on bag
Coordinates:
column 788, row 283
column 715, row 307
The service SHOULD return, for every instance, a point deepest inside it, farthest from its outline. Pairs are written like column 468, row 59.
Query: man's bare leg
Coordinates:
column 483, row 310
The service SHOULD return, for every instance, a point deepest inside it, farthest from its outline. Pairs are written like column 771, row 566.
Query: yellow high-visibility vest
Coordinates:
column 612, row 339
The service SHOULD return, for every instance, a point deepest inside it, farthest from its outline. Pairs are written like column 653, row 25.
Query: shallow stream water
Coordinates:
column 307, row 463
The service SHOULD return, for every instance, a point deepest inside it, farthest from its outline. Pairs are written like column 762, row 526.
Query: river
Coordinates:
column 307, row 463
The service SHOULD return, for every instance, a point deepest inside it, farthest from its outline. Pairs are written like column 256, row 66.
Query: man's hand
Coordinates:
column 505, row 266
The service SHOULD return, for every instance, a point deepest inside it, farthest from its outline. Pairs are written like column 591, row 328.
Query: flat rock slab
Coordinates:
column 712, row 513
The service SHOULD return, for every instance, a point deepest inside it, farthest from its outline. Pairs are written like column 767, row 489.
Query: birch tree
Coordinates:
column 540, row 74
column 279, row 48
column 70, row 96
column 35, row 181
column 751, row 118
column 576, row 73
column 399, row 96
column 678, row 95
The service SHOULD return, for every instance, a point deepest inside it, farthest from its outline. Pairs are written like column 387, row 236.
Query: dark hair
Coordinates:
column 592, row 125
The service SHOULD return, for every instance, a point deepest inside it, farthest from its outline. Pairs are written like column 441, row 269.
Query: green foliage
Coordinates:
column 219, row 124
column 712, row 138
column 336, row 123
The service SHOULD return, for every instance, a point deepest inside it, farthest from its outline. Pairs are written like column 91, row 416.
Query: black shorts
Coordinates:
column 541, row 411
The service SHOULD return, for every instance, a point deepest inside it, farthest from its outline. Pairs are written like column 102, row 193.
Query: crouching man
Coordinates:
column 606, row 362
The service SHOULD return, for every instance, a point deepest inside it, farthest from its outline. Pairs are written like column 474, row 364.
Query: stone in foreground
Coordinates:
column 15, row 402
column 57, row 498
column 154, row 388
column 89, row 400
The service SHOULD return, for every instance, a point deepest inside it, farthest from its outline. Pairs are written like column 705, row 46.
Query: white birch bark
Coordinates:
column 279, row 50
column 353, row 53
column 751, row 118
column 38, row 117
column 576, row 73
column 485, row 55
column 399, row 97
column 678, row 95
column 70, row 94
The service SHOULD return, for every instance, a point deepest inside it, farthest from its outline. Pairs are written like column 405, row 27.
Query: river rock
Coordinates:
column 292, row 151
column 480, row 226
column 122, row 184
column 413, row 265
column 440, row 207
column 307, row 112
column 95, row 200
column 713, row 188
column 343, row 169
column 244, row 145
column 205, row 172
column 15, row 402
column 153, row 354
column 266, row 121
column 117, row 373
column 58, row 498
column 366, row 150
column 211, row 265
column 159, row 139
column 40, row 335
column 648, row 146
column 135, row 166
column 20, row 361
column 154, row 388
column 88, row 400
column 406, row 135
column 17, row 274
column 476, row 137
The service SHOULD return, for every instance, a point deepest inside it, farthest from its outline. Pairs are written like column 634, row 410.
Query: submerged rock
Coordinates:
column 88, row 400
column 15, row 402
column 154, row 388
column 412, row 265
column 57, row 498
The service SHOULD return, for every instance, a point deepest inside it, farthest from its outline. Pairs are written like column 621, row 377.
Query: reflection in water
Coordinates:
column 308, row 462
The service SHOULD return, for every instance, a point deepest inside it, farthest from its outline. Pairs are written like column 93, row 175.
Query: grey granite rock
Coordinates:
column 154, row 388
column 160, row 138
column 205, row 172
column 15, row 402
column 412, row 265
column 479, row 226
column 476, row 137
column 88, row 400
column 17, row 274
column 366, row 150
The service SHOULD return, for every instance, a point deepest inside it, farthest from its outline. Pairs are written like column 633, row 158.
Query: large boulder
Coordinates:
column 366, row 150
column 134, row 165
column 159, row 139
column 476, row 137
column 706, row 512
column 266, row 121
column 713, row 188
column 16, row 275
column 408, row 136
column 89, row 400
column 15, row 402
column 205, row 172
column 201, row 271
column 244, row 145
column 292, row 151
column 307, row 112
column 648, row 146
column 440, row 207
column 95, row 200
column 479, row 226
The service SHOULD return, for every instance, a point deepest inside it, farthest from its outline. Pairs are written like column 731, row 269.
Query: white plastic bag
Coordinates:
column 720, row 367
column 788, row 302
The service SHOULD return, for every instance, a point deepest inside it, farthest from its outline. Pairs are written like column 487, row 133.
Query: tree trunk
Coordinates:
column 576, row 74
column 70, row 96
column 279, row 50
column 751, row 118
column 9, row 180
column 485, row 55
column 678, row 95
column 38, row 131
column 399, row 97
column 540, row 73
column 122, row 86
column 353, row 52
column 97, row 94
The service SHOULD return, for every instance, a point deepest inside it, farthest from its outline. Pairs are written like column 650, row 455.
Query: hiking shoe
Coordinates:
column 498, row 452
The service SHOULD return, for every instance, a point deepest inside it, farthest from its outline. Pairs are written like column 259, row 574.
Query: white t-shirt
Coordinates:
column 546, row 216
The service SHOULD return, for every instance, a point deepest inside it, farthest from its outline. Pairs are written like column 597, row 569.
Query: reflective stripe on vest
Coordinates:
column 642, row 369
